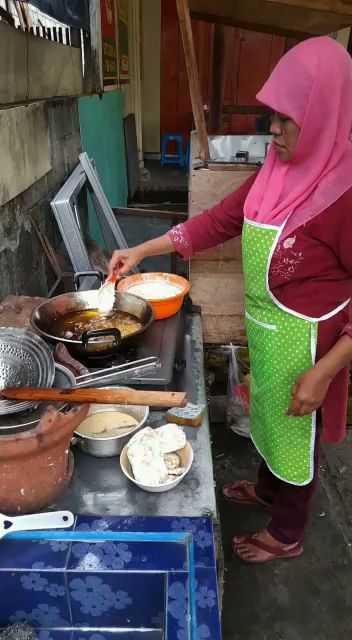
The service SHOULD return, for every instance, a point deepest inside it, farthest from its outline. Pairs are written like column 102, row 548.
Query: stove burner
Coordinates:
column 161, row 340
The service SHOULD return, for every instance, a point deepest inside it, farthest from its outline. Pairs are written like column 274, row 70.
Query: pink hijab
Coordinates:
column 312, row 84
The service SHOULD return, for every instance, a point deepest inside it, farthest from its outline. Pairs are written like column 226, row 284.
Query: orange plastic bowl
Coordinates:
column 166, row 307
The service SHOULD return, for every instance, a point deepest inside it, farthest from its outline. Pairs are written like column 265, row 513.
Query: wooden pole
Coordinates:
column 193, row 76
column 218, row 79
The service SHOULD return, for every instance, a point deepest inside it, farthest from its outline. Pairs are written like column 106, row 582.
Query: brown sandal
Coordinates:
column 274, row 551
column 244, row 495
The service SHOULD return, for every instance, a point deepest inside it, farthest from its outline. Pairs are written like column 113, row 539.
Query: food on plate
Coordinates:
column 172, row 461
column 107, row 424
column 73, row 325
column 146, row 458
column 157, row 289
column 151, row 463
column 172, row 438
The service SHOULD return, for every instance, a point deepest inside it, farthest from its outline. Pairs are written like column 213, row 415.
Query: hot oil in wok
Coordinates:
column 73, row 325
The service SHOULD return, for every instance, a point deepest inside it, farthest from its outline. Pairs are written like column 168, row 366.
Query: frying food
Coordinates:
column 73, row 325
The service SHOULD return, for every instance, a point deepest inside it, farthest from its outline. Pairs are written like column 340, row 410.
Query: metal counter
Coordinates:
column 100, row 487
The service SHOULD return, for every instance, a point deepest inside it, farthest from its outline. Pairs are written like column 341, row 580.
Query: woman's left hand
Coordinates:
column 309, row 391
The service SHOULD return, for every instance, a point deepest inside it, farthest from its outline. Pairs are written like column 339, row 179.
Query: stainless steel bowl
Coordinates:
column 110, row 447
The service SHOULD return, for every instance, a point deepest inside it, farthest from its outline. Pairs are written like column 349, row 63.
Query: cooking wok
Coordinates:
column 98, row 343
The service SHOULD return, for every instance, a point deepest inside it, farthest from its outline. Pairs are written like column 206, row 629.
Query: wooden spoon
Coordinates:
column 97, row 396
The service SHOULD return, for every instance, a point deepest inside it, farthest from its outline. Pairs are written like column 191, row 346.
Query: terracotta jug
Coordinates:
column 36, row 466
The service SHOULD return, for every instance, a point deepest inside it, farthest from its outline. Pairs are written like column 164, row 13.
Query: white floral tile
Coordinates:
column 122, row 600
column 201, row 529
column 132, row 556
column 40, row 599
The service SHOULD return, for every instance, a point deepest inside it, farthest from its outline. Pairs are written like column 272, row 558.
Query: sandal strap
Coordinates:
column 242, row 489
column 272, row 549
column 240, row 486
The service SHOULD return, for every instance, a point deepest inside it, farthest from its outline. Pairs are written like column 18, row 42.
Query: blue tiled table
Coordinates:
column 116, row 578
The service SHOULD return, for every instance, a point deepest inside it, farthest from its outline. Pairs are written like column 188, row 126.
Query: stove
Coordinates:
column 164, row 340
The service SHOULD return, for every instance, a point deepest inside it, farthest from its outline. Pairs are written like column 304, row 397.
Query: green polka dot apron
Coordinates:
column 282, row 346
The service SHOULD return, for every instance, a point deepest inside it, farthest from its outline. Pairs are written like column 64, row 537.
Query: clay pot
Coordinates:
column 35, row 466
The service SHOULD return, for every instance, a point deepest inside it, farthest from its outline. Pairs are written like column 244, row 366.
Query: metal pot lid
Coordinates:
column 25, row 361
column 26, row 420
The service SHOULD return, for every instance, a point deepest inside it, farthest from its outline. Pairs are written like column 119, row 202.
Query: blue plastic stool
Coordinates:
column 168, row 158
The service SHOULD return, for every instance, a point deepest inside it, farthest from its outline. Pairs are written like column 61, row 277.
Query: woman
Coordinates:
column 295, row 217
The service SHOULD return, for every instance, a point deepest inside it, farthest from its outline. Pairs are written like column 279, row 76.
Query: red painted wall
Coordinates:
column 249, row 58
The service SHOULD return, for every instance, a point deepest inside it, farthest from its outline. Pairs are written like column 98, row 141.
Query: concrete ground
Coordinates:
column 309, row 598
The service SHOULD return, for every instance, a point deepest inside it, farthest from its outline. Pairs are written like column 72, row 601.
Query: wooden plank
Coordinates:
column 278, row 45
column 232, row 56
column 175, row 216
column 341, row 7
column 209, row 187
column 218, row 79
column 227, row 293
column 221, row 297
column 169, row 68
column 254, row 56
column 229, row 251
column 210, row 263
column 163, row 399
column 216, row 274
column 93, row 82
column 227, row 329
column 230, row 166
column 193, row 76
column 285, row 17
column 254, row 109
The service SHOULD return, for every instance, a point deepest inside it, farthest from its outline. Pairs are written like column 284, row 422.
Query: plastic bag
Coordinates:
column 238, row 391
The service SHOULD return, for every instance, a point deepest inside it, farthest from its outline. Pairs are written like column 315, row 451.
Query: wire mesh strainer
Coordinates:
column 25, row 361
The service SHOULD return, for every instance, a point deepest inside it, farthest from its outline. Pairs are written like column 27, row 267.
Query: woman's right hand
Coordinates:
column 124, row 260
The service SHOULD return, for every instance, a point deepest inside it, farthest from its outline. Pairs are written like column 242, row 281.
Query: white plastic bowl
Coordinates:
column 186, row 455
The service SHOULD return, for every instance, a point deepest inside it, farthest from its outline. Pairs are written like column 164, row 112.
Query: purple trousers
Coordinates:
column 291, row 505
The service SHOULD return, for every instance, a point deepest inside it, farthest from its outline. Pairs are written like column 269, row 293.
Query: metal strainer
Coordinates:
column 25, row 361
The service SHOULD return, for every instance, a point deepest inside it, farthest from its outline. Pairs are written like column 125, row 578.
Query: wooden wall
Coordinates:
column 175, row 102
column 249, row 59
column 216, row 274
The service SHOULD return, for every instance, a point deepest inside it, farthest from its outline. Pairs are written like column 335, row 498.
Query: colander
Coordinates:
column 25, row 361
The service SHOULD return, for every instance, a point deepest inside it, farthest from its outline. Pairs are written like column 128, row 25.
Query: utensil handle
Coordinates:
column 118, row 372
column 102, row 333
column 50, row 520
column 85, row 274
column 167, row 399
